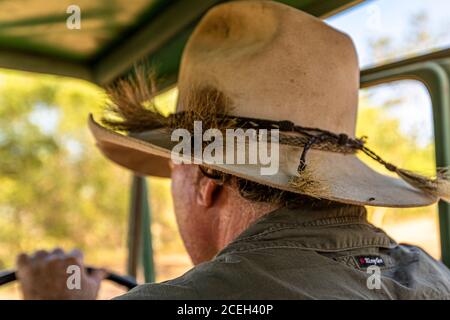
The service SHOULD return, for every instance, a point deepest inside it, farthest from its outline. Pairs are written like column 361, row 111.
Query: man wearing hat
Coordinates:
column 298, row 233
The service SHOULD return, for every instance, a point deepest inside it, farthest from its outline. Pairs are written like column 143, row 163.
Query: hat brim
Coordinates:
column 342, row 177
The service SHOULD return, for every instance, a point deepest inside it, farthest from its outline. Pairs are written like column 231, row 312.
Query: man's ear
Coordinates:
column 207, row 192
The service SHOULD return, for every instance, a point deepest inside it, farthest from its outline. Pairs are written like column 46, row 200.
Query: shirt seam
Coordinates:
column 278, row 227
column 296, row 246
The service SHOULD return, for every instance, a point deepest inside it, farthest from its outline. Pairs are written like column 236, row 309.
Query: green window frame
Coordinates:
column 434, row 73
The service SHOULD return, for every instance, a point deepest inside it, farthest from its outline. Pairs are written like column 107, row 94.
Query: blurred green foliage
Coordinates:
column 386, row 138
column 56, row 189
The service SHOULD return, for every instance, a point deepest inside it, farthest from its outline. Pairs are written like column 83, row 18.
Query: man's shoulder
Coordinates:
column 205, row 281
column 229, row 276
column 275, row 272
column 197, row 283
column 175, row 289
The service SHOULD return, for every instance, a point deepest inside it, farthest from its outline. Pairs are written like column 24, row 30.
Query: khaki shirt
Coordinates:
column 331, row 253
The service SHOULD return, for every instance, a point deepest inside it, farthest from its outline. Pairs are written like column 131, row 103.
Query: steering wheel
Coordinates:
column 7, row 276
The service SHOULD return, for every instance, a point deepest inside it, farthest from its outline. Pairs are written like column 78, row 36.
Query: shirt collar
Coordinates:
column 328, row 229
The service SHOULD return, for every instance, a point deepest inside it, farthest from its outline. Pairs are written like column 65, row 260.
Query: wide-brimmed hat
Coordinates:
column 261, row 64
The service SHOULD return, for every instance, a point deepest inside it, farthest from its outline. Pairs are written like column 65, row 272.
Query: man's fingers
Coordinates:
column 57, row 252
column 55, row 258
column 98, row 274
column 40, row 254
column 22, row 260
column 77, row 254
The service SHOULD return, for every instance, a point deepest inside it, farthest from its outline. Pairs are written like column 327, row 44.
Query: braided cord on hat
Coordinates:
column 316, row 138
column 310, row 138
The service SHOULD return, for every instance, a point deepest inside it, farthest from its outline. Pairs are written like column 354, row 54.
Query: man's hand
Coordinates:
column 43, row 276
